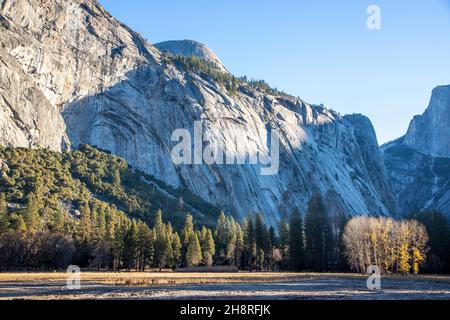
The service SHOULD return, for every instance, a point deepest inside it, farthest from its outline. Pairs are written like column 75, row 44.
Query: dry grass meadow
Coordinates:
column 238, row 285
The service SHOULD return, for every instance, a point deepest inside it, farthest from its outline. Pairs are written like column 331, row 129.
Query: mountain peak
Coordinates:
column 430, row 132
column 191, row 48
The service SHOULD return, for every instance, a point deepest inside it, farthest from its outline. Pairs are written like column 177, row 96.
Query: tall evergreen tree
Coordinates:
column 188, row 228
column 295, row 241
column 318, row 235
column 161, row 248
column 21, row 226
column 342, row 264
column 259, row 232
column 283, row 231
column 131, row 241
column 208, row 246
column 4, row 218
column 250, row 243
column 176, row 248
column 262, row 239
column 170, row 262
column 194, row 251
column 86, row 223
column 240, row 246
column 159, row 224
column 57, row 221
column 145, row 246
column 221, row 232
column 31, row 213
column 438, row 228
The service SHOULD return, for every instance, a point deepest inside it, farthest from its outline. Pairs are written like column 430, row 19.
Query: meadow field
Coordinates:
column 217, row 286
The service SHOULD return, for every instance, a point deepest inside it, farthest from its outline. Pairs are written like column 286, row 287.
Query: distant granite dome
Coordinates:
column 430, row 132
column 191, row 48
column 418, row 164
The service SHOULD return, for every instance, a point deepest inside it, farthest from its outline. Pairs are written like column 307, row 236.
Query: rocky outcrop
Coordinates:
column 188, row 48
column 118, row 92
column 418, row 164
column 27, row 119
column 373, row 159
column 420, row 181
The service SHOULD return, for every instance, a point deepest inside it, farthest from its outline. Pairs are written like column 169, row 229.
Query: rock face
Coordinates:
column 373, row 159
column 27, row 118
column 430, row 132
column 188, row 48
column 118, row 92
column 418, row 164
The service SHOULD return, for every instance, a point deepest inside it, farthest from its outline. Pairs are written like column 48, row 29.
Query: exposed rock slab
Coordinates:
column 118, row 92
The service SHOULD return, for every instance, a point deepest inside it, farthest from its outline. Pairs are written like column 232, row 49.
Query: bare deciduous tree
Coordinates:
column 394, row 246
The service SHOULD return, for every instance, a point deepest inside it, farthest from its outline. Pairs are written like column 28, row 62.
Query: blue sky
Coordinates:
column 320, row 50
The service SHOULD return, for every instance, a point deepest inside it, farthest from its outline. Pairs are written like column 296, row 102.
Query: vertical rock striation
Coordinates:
column 89, row 76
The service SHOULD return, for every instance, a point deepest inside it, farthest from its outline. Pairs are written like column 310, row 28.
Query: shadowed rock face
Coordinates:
column 419, row 181
column 116, row 91
column 418, row 164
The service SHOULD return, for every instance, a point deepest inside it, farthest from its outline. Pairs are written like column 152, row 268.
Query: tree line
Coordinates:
column 101, row 237
column 231, row 83
column 97, row 237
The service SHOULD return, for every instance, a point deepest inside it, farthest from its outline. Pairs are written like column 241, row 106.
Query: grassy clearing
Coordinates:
column 175, row 278
column 165, row 278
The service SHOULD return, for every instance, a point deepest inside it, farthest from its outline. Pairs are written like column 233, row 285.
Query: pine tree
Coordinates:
column 131, row 241
column 176, row 248
column 159, row 224
column 31, row 214
column 240, row 246
column 263, row 242
column 57, row 221
column 101, row 222
column 169, row 251
column 221, row 232
column 145, row 246
column 188, row 228
column 250, row 243
column 21, row 226
column 4, row 218
column 118, row 243
column 283, row 230
column 318, row 236
column 341, row 259
column 161, row 249
column 438, row 228
column 152, row 249
column 259, row 232
column 231, row 249
column 194, row 251
column 207, row 245
column 86, row 223
column 296, row 242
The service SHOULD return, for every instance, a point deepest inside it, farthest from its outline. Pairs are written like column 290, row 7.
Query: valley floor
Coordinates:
column 198, row 286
